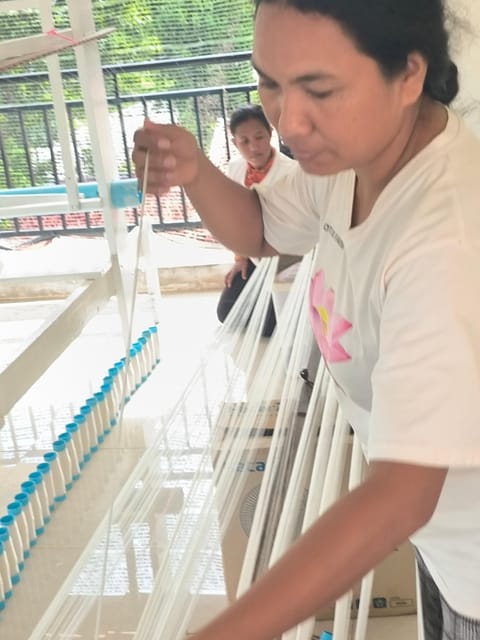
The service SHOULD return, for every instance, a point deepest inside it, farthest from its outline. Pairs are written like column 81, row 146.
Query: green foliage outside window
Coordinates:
column 144, row 31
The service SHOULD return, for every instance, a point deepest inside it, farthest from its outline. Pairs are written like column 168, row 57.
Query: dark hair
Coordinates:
column 389, row 30
column 248, row 112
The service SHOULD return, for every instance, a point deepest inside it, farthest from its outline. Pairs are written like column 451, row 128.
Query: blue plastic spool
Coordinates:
column 142, row 342
column 59, row 446
column 24, row 498
column 90, row 404
column 37, row 478
column 44, row 468
column 100, row 397
column 15, row 509
column 154, row 331
column 50, row 458
column 133, row 354
column 7, row 522
column 80, row 421
column 106, row 388
column 66, row 436
column 6, row 588
column 30, row 487
column 85, row 411
column 72, row 428
column 120, row 366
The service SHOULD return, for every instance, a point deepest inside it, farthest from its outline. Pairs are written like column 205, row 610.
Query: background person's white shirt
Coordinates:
column 281, row 165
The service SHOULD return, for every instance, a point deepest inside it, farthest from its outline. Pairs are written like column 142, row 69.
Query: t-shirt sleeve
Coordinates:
column 235, row 170
column 293, row 208
column 426, row 383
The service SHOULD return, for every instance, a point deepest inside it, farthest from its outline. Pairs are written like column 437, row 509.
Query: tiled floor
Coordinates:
column 188, row 321
column 43, row 413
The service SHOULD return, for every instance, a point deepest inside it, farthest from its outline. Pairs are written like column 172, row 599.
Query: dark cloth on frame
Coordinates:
column 440, row 621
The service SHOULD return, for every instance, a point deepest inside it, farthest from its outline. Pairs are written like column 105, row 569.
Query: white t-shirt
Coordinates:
column 281, row 165
column 395, row 308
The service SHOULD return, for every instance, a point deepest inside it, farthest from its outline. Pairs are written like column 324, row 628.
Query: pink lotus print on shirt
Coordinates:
column 328, row 327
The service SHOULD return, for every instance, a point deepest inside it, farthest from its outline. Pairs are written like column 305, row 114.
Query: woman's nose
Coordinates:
column 293, row 121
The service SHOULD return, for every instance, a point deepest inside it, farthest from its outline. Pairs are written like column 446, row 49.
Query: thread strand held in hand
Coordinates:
column 54, row 33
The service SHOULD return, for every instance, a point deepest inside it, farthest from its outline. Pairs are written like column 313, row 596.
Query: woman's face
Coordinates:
column 330, row 103
column 252, row 140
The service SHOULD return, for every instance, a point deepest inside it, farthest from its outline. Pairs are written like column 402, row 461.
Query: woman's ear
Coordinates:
column 413, row 77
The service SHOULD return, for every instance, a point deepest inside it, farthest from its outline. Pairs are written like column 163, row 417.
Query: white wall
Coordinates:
column 466, row 53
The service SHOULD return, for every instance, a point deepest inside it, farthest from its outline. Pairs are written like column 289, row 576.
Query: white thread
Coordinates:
column 124, row 386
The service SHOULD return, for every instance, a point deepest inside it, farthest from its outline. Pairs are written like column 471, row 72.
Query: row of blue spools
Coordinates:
column 47, row 487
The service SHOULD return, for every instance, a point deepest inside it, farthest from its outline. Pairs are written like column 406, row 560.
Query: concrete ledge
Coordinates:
column 184, row 279
column 190, row 278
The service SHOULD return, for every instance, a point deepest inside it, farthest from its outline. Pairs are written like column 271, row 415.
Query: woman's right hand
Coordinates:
column 174, row 156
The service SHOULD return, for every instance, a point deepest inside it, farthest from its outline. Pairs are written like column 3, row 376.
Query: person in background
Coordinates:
column 388, row 191
column 259, row 162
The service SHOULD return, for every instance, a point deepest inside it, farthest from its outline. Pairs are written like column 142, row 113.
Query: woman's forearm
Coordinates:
column 229, row 210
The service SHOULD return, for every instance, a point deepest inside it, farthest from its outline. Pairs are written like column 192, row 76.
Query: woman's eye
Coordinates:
column 320, row 95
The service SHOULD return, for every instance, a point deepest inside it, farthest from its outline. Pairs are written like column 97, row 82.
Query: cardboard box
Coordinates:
column 394, row 585
column 394, row 588
column 232, row 412
column 234, row 542
column 250, row 470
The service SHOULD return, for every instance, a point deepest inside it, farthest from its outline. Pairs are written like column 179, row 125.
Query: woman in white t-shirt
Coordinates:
column 259, row 162
column 388, row 187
